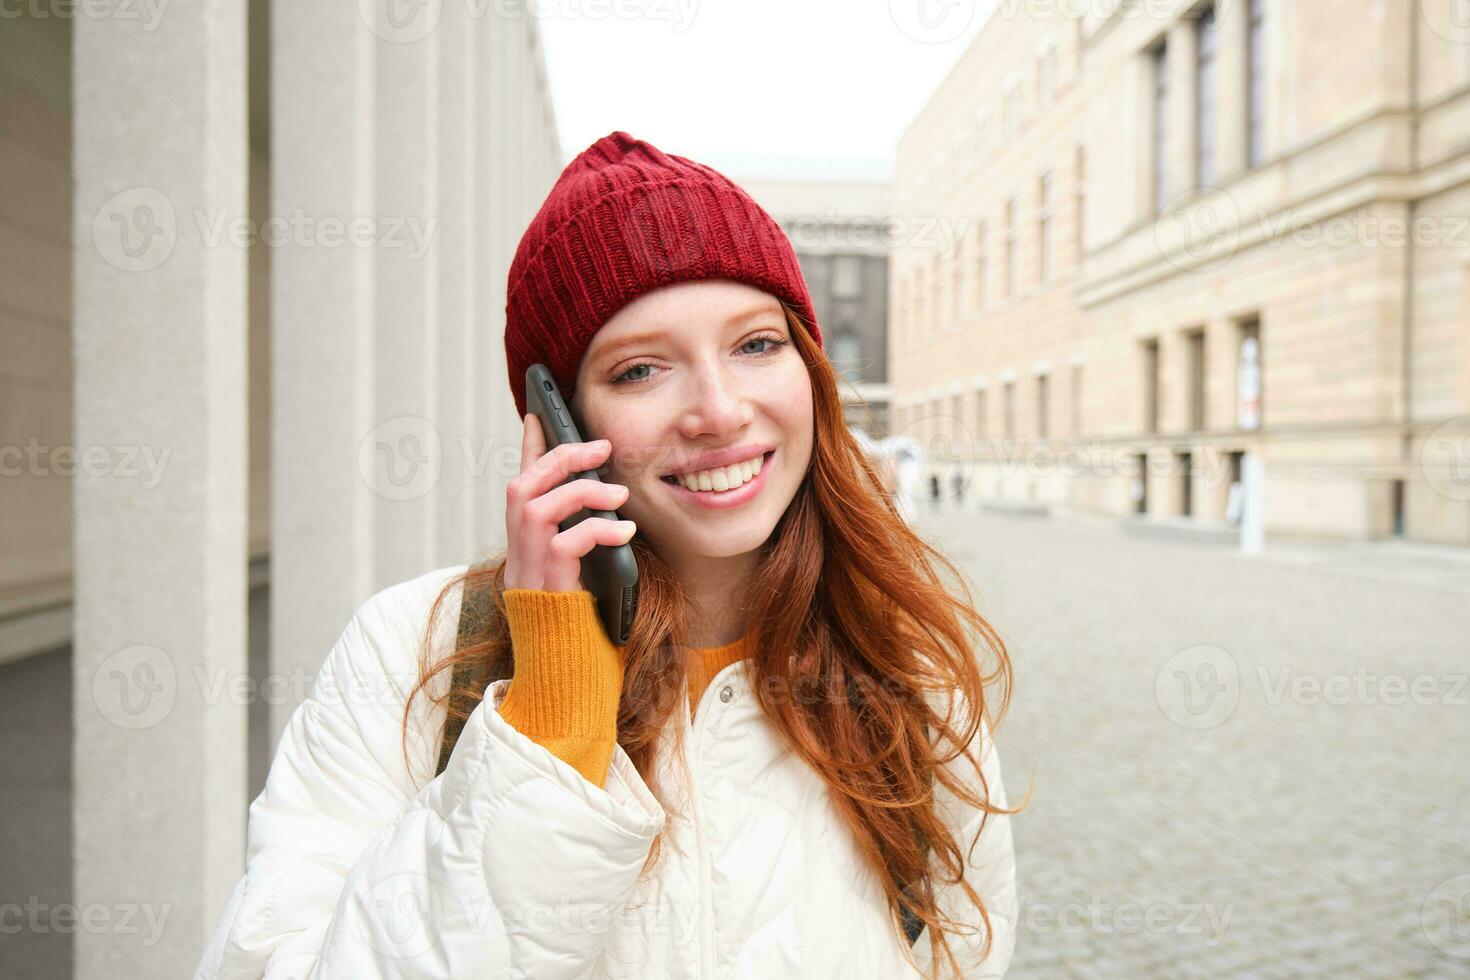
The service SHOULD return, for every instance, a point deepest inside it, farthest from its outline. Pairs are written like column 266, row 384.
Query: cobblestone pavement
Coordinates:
column 1242, row 767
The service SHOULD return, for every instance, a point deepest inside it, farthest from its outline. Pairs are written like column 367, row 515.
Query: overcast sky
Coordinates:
column 755, row 88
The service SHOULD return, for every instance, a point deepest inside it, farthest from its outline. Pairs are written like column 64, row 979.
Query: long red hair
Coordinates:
column 846, row 584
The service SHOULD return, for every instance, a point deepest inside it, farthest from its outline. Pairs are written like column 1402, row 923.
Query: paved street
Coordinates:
column 1243, row 767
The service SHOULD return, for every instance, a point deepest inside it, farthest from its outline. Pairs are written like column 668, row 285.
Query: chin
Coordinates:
column 737, row 537
column 742, row 544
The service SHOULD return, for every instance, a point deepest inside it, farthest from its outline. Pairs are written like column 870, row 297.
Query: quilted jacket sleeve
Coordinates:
column 508, row 864
column 991, row 871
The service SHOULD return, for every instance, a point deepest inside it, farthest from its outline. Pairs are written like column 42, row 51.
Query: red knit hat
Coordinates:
column 623, row 219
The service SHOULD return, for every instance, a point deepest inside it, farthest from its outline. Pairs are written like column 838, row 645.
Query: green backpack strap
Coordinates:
column 474, row 605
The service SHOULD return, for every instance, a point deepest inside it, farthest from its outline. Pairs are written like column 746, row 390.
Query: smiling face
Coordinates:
column 686, row 372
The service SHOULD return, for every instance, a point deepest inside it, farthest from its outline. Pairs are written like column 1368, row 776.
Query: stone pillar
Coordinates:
column 408, row 446
column 460, row 278
column 1231, row 89
column 1130, row 155
column 1179, row 138
column 1173, row 381
column 322, row 347
column 159, row 333
column 496, row 238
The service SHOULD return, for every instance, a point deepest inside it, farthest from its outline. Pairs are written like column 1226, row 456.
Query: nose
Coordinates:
column 719, row 406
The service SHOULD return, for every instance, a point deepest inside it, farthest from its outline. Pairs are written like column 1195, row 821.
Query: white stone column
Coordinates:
column 159, row 331
column 322, row 345
column 409, row 446
column 460, row 278
column 496, row 239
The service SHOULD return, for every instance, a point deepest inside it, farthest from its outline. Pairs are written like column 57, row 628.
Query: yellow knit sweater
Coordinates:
column 569, row 677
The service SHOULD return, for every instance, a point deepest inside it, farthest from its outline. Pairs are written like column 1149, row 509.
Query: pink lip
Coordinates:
column 723, row 457
column 723, row 499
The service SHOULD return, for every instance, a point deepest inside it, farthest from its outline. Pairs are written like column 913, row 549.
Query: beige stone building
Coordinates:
column 1111, row 206
column 840, row 229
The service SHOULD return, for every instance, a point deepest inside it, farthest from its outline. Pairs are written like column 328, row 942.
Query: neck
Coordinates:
column 715, row 588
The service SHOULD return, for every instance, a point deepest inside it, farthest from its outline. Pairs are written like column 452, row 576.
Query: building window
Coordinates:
column 1043, row 398
column 1012, row 103
column 1043, row 229
column 1046, row 78
column 916, row 323
column 847, row 276
column 1013, row 267
column 1081, row 204
column 1195, row 345
column 1256, row 81
column 957, row 289
column 1159, row 59
column 1076, row 399
column 936, row 305
column 980, row 420
column 901, row 308
column 1010, row 408
column 982, row 270
column 1151, row 385
column 847, row 354
column 1251, row 370
column 1206, row 35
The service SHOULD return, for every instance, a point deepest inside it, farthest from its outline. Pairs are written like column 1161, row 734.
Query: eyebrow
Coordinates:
column 642, row 338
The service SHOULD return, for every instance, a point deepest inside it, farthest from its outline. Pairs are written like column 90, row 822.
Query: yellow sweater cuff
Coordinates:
column 568, row 678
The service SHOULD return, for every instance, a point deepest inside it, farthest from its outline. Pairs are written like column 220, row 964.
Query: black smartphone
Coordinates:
column 609, row 573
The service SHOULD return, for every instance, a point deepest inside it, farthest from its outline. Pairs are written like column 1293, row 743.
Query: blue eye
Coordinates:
column 774, row 341
column 624, row 376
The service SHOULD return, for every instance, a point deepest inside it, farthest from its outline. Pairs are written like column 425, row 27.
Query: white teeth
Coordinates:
column 724, row 478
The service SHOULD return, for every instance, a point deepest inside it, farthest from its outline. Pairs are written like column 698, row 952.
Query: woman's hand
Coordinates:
column 538, row 554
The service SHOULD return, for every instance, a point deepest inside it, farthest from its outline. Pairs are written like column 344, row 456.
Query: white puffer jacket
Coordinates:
column 512, row 864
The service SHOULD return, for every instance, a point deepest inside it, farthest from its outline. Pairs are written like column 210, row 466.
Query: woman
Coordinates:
column 787, row 764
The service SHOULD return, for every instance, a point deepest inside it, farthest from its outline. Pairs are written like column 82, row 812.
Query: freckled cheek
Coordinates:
column 635, row 458
column 788, row 400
